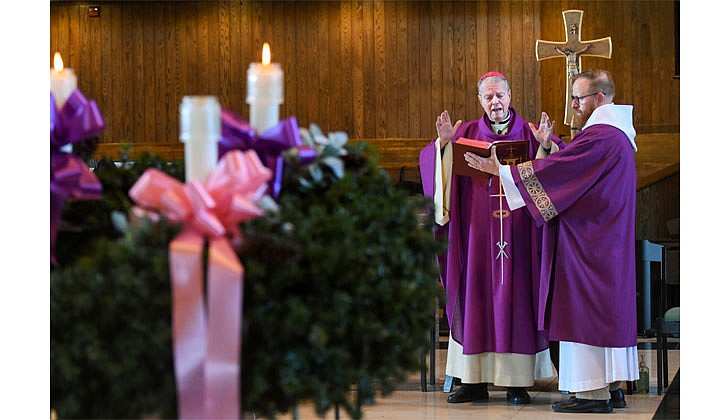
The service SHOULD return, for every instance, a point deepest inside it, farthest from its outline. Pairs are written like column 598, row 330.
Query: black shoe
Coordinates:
column 578, row 405
column 470, row 393
column 517, row 395
column 618, row 398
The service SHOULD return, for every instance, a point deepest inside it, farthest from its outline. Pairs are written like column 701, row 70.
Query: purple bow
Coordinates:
column 78, row 120
column 237, row 134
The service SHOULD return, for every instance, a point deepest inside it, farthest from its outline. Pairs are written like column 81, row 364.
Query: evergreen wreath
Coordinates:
column 339, row 296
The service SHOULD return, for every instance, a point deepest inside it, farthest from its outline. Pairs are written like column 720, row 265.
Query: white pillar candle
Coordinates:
column 265, row 92
column 200, row 131
column 63, row 81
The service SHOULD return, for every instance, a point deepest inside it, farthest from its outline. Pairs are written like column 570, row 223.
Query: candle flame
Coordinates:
column 57, row 62
column 266, row 54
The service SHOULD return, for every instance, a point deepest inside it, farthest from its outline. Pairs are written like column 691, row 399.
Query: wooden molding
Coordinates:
column 658, row 155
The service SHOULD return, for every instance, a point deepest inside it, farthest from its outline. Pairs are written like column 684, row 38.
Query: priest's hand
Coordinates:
column 489, row 165
column 445, row 129
column 544, row 132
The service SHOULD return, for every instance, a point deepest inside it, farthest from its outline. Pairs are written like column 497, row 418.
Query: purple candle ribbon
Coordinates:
column 237, row 134
column 78, row 120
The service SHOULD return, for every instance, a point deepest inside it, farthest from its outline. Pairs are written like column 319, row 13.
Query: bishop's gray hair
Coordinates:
column 496, row 77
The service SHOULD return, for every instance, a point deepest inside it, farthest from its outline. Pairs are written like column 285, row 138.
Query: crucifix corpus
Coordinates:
column 573, row 49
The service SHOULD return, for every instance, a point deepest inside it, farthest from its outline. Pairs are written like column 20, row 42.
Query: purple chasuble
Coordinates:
column 584, row 197
column 489, row 271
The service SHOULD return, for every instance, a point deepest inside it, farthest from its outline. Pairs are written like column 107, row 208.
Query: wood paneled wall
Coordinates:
column 656, row 205
column 375, row 69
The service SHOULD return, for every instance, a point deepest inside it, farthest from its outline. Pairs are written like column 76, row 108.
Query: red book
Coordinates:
column 510, row 152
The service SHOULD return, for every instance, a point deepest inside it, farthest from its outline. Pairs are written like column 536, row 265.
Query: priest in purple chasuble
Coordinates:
column 489, row 270
column 584, row 198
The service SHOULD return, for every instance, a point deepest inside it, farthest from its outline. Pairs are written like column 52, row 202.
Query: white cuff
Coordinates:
column 443, row 174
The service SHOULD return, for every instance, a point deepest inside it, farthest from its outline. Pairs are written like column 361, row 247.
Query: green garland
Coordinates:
column 110, row 330
column 340, row 288
column 84, row 220
column 110, row 303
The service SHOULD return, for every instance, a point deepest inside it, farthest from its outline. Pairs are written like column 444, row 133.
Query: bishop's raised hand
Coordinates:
column 445, row 129
column 544, row 131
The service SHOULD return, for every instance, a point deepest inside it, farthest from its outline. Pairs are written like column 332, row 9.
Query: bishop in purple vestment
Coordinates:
column 489, row 271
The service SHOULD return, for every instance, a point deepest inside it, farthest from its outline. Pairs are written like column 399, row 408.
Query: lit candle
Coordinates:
column 265, row 92
column 63, row 81
column 200, row 130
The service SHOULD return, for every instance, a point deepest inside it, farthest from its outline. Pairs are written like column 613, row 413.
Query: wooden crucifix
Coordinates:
column 573, row 49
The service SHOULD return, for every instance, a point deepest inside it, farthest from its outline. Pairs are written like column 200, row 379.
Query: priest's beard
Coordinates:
column 580, row 120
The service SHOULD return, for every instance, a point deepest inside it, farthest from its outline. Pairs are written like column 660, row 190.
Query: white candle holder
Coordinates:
column 200, row 130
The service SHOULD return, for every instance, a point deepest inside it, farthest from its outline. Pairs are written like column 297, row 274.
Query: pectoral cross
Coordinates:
column 502, row 244
column 573, row 49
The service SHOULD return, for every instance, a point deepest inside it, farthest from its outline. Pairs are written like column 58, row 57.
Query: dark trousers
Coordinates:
column 554, row 351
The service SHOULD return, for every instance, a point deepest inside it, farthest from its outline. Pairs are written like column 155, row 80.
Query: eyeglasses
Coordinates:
column 581, row 98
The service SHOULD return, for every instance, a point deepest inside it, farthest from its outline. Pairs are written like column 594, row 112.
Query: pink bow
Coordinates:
column 207, row 347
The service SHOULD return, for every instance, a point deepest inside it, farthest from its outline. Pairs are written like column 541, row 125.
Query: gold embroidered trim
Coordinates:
column 535, row 190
